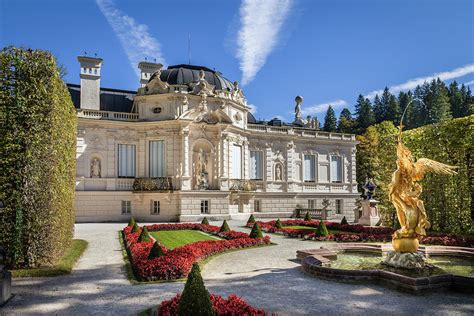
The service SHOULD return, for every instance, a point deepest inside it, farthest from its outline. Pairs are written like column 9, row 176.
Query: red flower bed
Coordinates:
column 358, row 233
column 177, row 263
column 231, row 306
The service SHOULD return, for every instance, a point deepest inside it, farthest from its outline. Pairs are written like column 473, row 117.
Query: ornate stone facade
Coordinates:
column 190, row 149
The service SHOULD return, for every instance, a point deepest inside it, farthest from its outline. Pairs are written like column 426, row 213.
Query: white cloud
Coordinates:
column 322, row 108
column 137, row 42
column 253, row 108
column 261, row 21
column 412, row 83
column 469, row 83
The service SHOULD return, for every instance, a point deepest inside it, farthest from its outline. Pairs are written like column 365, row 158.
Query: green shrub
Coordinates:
column 256, row 232
column 155, row 251
column 131, row 222
column 344, row 221
column 307, row 217
column 205, row 221
column 195, row 299
column 251, row 219
column 38, row 127
column 135, row 228
column 144, row 235
column 278, row 224
column 322, row 230
column 225, row 227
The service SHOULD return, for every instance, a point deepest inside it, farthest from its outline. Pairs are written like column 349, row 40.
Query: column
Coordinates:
column 185, row 178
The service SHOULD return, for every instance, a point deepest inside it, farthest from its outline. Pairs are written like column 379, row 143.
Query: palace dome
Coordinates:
column 185, row 74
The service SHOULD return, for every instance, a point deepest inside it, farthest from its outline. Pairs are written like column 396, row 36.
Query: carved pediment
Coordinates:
column 202, row 87
column 204, row 114
column 155, row 85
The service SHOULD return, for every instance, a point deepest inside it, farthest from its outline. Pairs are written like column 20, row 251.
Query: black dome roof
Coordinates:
column 186, row 74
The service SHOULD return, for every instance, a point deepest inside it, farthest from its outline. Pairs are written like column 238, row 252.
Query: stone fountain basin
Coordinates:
column 313, row 261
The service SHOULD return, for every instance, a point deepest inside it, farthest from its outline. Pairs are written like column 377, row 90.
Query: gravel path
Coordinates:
column 266, row 277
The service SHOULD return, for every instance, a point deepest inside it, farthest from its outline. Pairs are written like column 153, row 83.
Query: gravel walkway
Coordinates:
column 266, row 277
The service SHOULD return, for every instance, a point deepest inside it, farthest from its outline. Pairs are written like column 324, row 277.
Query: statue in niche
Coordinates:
column 278, row 172
column 200, row 171
column 95, row 168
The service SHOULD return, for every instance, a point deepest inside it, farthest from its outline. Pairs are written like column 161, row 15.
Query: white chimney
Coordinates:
column 146, row 70
column 90, row 82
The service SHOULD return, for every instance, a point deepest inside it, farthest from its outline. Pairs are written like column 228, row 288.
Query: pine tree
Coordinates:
column 195, row 299
column 364, row 114
column 278, row 224
column 321, row 230
column 385, row 102
column 344, row 221
column 205, row 221
column 135, row 228
column 437, row 102
column 307, row 217
column 404, row 100
column 346, row 122
column 225, row 227
column 251, row 219
column 393, row 110
column 144, row 235
column 131, row 222
column 379, row 114
column 155, row 251
column 256, row 232
column 330, row 120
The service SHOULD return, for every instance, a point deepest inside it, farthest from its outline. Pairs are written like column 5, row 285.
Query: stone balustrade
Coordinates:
column 107, row 115
column 243, row 185
column 303, row 132
column 152, row 184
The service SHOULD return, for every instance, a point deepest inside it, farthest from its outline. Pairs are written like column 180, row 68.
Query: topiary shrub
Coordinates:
column 144, row 235
column 205, row 221
column 135, row 228
column 195, row 299
column 256, row 232
column 322, row 230
column 344, row 221
column 131, row 222
column 251, row 219
column 38, row 127
column 225, row 227
column 307, row 217
column 155, row 251
column 278, row 224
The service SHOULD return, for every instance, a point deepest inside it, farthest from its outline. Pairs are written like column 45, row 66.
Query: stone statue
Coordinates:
column 95, row 168
column 200, row 170
column 298, row 100
column 404, row 193
column 278, row 172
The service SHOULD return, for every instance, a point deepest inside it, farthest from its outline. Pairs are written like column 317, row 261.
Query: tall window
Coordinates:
column 311, row 204
column 204, row 206
column 126, row 207
column 336, row 169
column 157, row 158
column 126, row 160
column 338, row 206
column 257, row 205
column 256, row 165
column 309, row 168
column 237, row 162
column 155, row 207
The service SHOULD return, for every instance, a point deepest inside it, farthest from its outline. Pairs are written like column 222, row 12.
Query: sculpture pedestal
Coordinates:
column 370, row 213
column 405, row 260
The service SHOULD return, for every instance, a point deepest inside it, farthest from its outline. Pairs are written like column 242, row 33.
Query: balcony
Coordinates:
column 159, row 184
column 243, row 185
column 107, row 115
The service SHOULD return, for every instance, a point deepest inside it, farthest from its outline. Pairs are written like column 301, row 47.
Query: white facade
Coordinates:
column 187, row 150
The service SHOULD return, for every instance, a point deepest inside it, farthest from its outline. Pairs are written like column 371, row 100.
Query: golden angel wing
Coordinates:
column 424, row 165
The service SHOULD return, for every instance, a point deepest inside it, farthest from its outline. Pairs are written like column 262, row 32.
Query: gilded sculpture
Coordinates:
column 404, row 193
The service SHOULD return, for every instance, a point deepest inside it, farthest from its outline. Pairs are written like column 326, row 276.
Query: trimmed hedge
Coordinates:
column 195, row 299
column 205, row 221
column 225, row 227
column 256, row 232
column 38, row 158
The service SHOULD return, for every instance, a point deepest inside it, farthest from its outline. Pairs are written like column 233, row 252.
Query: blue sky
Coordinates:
column 328, row 51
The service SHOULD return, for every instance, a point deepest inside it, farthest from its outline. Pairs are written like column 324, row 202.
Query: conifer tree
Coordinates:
column 404, row 99
column 393, row 110
column 307, row 217
column 330, row 120
column 195, row 299
column 346, row 122
column 437, row 102
column 278, row 224
column 144, row 235
column 344, row 221
column 131, row 222
column 385, row 103
column 379, row 114
column 155, row 251
column 205, row 221
column 364, row 114
column 256, row 232
column 251, row 219
column 321, row 230
column 225, row 227
column 135, row 228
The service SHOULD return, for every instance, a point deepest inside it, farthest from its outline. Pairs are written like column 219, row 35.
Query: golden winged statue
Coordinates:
column 404, row 193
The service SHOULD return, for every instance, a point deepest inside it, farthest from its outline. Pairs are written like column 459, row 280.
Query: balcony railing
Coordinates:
column 298, row 131
column 153, row 184
column 243, row 185
column 107, row 115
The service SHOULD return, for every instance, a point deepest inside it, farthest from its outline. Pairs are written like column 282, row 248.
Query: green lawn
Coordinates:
column 64, row 266
column 177, row 238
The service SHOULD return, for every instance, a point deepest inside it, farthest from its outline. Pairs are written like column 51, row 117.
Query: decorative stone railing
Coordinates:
column 303, row 132
column 153, row 184
column 124, row 184
column 107, row 115
column 314, row 213
column 243, row 185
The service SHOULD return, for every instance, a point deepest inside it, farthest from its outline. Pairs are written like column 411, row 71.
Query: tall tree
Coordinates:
column 378, row 110
column 385, row 105
column 437, row 102
column 346, row 122
column 364, row 114
column 404, row 99
column 330, row 120
column 467, row 107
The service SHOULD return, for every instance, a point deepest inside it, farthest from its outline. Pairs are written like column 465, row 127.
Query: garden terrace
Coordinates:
column 176, row 263
column 297, row 228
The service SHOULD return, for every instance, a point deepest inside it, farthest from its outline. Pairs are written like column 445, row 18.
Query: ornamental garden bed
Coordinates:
column 155, row 259
column 307, row 229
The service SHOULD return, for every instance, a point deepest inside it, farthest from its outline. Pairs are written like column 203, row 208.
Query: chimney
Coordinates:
column 146, row 70
column 90, row 82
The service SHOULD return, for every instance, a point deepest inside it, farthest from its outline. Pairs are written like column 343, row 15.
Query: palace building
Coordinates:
column 185, row 146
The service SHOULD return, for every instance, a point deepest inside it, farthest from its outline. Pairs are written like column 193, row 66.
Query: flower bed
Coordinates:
column 176, row 263
column 233, row 305
column 357, row 233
